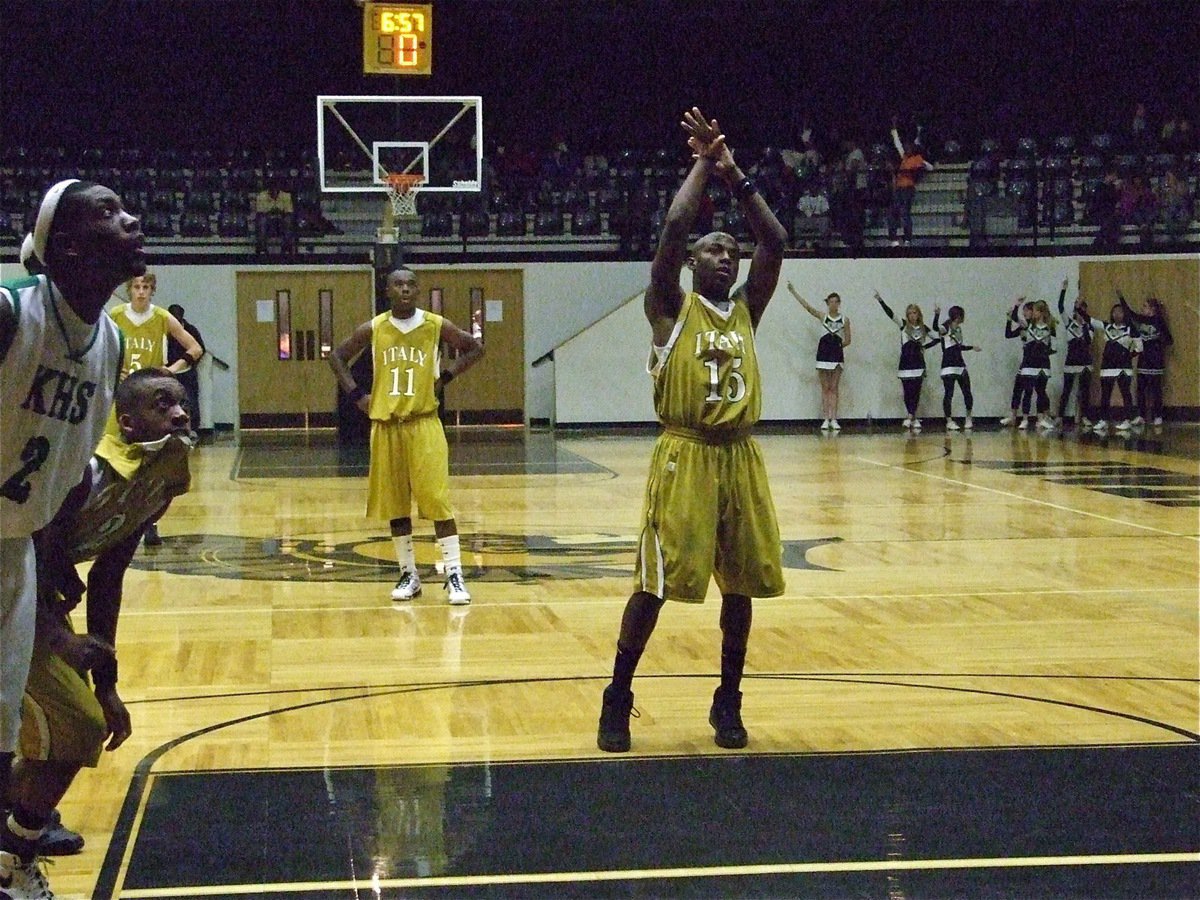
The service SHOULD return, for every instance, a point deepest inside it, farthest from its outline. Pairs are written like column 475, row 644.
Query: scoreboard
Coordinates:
column 397, row 38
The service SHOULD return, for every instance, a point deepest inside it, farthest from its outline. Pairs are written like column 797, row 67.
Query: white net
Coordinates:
column 402, row 192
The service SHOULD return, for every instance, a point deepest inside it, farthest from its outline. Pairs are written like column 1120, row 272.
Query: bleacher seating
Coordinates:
column 1033, row 189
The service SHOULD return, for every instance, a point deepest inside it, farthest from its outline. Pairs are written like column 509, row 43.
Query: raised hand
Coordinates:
column 704, row 136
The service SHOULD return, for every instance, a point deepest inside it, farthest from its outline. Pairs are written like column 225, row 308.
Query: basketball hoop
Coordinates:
column 402, row 192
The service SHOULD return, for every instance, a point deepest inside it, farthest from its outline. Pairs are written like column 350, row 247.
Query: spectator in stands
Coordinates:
column 559, row 163
column 813, row 203
column 1185, row 138
column 904, row 185
column 851, row 201
column 274, row 217
column 1140, row 138
column 1166, row 137
column 1104, row 209
column 1138, row 206
column 1176, row 204
column 595, row 168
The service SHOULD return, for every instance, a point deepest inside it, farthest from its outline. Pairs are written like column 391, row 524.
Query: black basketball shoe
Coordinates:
column 613, row 736
column 726, row 719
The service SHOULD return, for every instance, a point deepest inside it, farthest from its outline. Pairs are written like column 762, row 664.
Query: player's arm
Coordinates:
column 343, row 357
column 846, row 334
column 59, row 586
column 770, row 238
column 105, row 581
column 1062, row 299
column 808, row 307
column 468, row 350
column 8, row 324
column 191, row 347
column 664, row 297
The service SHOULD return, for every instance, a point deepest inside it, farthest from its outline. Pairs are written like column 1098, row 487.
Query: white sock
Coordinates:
column 404, row 552
column 451, row 554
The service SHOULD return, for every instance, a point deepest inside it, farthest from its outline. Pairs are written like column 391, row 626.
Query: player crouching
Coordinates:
column 128, row 484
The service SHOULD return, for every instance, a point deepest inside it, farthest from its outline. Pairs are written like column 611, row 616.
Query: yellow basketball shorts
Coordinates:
column 708, row 512
column 61, row 718
column 409, row 461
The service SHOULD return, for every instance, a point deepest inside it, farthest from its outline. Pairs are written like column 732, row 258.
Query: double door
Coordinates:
column 289, row 321
column 493, row 392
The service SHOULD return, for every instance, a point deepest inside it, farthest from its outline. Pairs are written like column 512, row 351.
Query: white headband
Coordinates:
column 27, row 248
column 45, row 216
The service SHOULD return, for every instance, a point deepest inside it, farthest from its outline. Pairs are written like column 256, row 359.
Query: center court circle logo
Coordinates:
column 487, row 557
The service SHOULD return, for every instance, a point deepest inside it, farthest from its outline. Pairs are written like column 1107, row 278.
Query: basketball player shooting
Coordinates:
column 708, row 508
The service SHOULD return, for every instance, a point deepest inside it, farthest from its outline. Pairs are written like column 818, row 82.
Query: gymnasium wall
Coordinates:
column 599, row 374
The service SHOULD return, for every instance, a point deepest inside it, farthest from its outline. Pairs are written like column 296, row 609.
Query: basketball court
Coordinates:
column 982, row 681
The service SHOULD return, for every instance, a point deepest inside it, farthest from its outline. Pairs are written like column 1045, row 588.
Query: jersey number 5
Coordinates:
column 737, row 387
column 34, row 454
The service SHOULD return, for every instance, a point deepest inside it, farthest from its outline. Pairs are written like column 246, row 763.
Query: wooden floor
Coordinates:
column 943, row 592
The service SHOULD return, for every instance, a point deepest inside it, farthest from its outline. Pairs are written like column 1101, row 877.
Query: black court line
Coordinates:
column 1151, row 484
column 126, row 828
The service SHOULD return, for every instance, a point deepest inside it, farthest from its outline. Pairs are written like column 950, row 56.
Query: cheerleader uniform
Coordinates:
column 913, row 341
column 1154, row 335
column 830, row 354
column 954, row 367
column 1078, row 366
column 1116, row 368
column 1035, row 365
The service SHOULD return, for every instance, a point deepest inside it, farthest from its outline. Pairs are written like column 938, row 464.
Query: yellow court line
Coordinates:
column 889, row 865
column 123, row 866
column 1058, row 506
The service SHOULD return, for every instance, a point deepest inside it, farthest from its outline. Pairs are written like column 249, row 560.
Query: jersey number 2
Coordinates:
column 34, row 454
column 737, row 387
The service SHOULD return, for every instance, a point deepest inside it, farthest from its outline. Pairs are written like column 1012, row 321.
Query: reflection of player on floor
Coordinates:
column 59, row 359
column 129, row 482
column 708, row 508
column 409, row 457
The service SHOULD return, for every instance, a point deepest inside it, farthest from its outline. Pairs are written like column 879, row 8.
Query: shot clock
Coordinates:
column 397, row 38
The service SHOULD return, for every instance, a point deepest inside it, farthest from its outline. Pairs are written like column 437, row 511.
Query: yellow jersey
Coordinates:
column 406, row 362
column 145, row 344
column 706, row 378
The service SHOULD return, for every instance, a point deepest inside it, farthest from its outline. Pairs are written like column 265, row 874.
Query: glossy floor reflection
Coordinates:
column 473, row 451
column 982, row 681
column 1077, row 822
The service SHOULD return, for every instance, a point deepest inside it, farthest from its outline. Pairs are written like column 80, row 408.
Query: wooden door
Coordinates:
column 494, row 391
column 289, row 321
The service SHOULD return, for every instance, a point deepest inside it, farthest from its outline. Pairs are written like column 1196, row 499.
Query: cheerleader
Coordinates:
column 1151, row 328
column 954, row 367
column 829, row 354
column 1036, row 330
column 1116, row 367
column 1080, row 327
column 914, row 338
